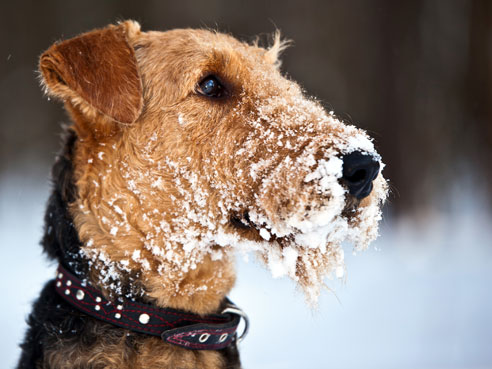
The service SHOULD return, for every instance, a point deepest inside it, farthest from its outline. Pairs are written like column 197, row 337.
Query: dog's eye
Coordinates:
column 211, row 87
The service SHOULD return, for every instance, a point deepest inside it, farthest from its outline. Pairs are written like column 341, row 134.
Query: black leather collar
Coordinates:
column 180, row 328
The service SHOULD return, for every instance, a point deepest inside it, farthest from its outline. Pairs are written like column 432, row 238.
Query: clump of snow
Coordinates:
column 181, row 119
column 264, row 234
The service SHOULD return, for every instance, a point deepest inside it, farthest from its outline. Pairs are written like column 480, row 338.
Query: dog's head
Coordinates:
column 192, row 144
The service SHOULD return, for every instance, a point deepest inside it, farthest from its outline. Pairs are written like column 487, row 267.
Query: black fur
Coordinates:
column 53, row 322
column 60, row 240
column 51, row 317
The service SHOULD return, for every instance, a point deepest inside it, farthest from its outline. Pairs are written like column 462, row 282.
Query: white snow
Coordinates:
column 136, row 255
column 265, row 234
column 361, row 142
column 181, row 119
column 118, row 209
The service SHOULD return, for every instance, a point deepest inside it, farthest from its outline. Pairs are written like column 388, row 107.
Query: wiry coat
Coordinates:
column 160, row 183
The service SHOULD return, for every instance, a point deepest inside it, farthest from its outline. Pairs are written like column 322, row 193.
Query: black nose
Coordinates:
column 359, row 170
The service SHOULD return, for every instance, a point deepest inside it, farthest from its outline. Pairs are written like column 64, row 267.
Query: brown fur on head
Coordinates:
column 170, row 181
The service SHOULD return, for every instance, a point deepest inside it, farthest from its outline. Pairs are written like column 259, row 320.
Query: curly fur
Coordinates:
column 59, row 336
column 159, row 185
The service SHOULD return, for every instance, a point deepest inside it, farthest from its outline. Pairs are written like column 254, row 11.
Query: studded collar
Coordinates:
column 180, row 328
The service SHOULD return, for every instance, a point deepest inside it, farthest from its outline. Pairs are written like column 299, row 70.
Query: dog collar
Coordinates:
column 180, row 328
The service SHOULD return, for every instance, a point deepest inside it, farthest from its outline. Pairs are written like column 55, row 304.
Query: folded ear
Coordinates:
column 97, row 69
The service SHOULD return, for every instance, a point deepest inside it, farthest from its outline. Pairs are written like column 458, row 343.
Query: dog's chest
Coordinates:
column 146, row 353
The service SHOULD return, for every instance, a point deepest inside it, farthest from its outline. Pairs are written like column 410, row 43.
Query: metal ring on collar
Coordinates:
column 235, row 310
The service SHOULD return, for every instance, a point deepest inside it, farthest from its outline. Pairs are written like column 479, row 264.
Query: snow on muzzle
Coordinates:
column 301, row 208
column 313, row 188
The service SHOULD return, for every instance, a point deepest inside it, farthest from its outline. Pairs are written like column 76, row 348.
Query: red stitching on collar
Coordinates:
column 128, row 317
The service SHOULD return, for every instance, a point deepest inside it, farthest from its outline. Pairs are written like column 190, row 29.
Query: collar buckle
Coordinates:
column 233, row 309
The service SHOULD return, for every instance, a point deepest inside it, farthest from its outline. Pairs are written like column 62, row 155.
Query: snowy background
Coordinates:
column 415, row 74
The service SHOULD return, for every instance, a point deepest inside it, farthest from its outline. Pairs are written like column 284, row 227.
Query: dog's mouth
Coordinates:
column 351, row 205
column 242, row 223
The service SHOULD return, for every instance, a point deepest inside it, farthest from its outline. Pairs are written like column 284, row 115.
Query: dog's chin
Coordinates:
column 309, row 250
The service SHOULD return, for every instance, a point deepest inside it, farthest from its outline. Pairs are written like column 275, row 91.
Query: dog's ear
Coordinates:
column 96, row 70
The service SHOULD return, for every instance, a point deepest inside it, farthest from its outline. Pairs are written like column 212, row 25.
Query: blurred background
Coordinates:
column 417, row 75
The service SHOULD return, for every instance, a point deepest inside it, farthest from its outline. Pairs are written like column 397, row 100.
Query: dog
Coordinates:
column 186, row 147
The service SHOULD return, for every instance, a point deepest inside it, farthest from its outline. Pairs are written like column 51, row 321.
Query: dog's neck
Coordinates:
column 61, row 241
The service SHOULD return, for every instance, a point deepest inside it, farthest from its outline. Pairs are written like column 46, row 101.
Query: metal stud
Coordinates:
column 67, row 292
column 97, row 307
column 58, row 284
column 144, row 318
column 223, row 337
column 60, row 275
column 80, row 295
column 204, row 337
column 98, row 299
column 117, row 315
column 119, row 307
column 69, row 283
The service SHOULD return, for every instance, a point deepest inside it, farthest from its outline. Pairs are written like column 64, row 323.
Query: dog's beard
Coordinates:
column 303, row 240
column 313, row 251
column 305, row 243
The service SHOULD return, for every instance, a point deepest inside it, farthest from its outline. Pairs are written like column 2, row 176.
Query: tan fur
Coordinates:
column 97, row 68
column 149, row 145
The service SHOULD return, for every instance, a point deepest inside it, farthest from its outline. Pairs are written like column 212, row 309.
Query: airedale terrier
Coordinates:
column 186, row 146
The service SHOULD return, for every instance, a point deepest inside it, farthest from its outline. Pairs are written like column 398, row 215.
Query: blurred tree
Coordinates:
column 415, row 74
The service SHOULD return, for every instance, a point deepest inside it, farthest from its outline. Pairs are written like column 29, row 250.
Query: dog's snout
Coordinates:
column 359, row 170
